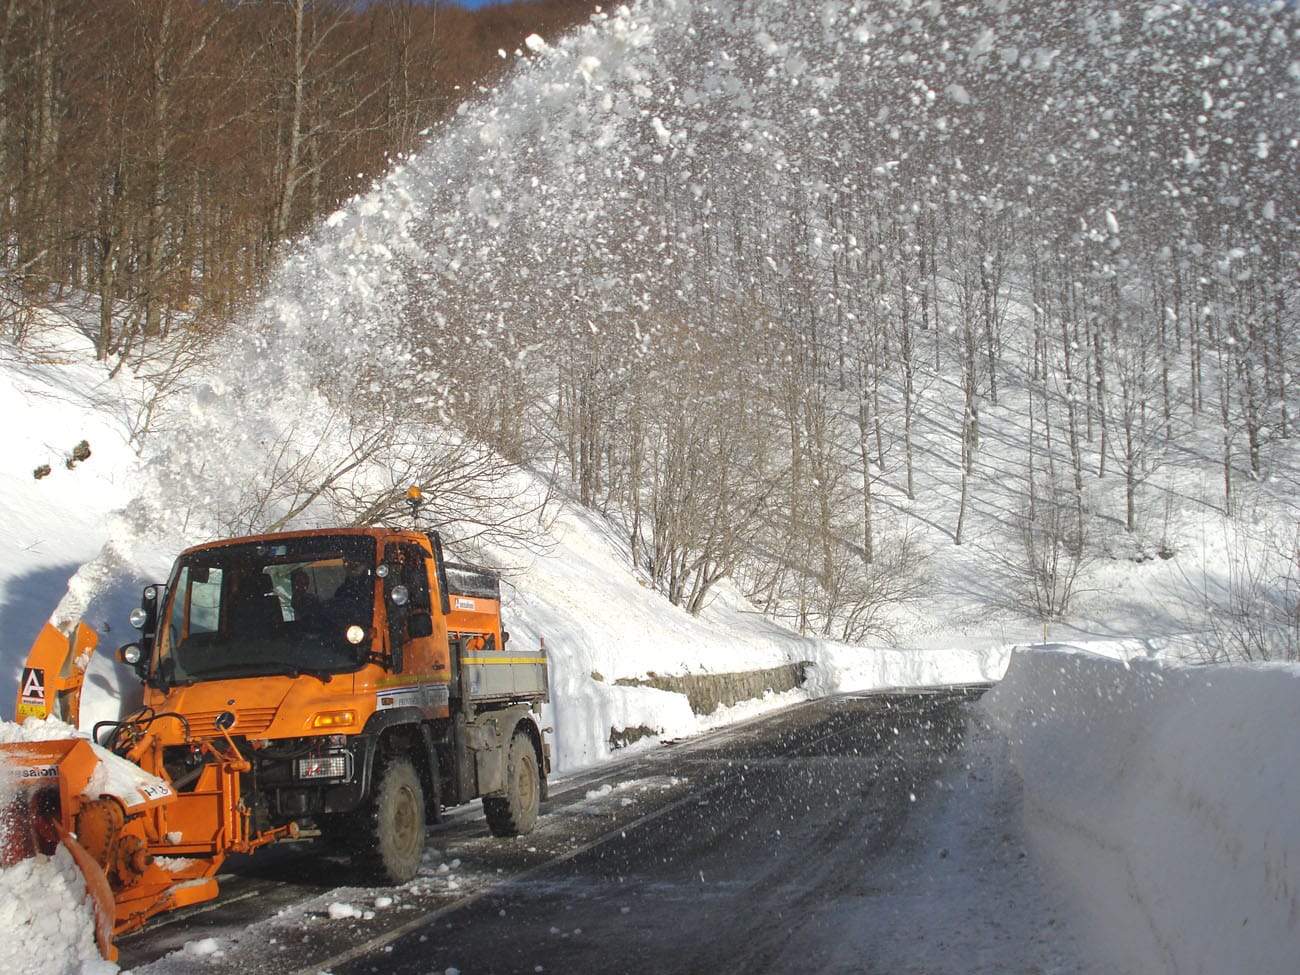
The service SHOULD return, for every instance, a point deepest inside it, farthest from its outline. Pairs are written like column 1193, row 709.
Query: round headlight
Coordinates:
column 400, row 595
column 355, row 634
column 139, row 617
column 131, row 654
column 150, row 593
column 382, row 570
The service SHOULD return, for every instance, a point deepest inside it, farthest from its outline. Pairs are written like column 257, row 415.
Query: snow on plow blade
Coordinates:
column 51, row 777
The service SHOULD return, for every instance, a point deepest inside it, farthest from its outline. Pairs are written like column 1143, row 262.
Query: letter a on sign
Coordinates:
column 33, row 685
column 32, row 695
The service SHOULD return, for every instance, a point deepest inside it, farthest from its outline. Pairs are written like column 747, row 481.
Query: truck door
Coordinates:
column 417, row 636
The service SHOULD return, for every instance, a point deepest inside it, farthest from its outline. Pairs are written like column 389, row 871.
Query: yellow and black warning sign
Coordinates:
column 32, row 702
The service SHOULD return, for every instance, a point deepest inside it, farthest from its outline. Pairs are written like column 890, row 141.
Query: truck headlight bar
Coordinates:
column 335, row 765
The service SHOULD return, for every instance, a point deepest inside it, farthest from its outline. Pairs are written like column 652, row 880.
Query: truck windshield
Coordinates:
column 289, row 606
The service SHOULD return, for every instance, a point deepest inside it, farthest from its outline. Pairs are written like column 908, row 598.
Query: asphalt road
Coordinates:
column 715, row 855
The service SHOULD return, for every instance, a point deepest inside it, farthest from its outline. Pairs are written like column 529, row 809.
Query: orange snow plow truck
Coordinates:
column 344, row 683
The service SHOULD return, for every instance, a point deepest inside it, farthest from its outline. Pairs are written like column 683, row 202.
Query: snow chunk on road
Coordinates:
column 203, row 948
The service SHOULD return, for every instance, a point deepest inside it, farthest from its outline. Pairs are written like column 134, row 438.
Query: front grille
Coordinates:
column 248, row 721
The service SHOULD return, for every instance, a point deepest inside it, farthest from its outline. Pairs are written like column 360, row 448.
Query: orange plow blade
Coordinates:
column 101, row 894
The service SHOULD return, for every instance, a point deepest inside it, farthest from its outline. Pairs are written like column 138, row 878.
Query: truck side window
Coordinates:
column 415, row 576
column 409, row 567
column 196, row 607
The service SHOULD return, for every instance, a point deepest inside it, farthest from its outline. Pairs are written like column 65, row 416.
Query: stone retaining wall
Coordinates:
column 707, row 692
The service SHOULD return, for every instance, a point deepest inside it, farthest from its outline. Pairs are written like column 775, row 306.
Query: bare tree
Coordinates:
column 967, row 334
column 860, row 600
column 1054, row 544
column 1251, row 599
column 1137, row 442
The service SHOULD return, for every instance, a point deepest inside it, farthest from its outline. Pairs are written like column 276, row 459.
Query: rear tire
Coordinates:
column 396, row 822
column 515, row 813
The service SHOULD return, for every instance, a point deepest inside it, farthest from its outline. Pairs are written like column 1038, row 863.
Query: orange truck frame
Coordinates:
column 349, row 682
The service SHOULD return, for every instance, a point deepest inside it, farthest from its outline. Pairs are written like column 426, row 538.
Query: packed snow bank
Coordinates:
column 842, row 667
column 48, row 920
column 59, row 510
column 1165, row 796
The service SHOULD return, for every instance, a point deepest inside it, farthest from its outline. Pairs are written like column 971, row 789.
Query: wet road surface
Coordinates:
column 719, row 854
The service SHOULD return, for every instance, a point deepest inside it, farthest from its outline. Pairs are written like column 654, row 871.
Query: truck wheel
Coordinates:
column 516, row 811
column 397, row 822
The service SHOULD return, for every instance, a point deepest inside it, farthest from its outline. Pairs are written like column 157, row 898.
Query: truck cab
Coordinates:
column 363, row 679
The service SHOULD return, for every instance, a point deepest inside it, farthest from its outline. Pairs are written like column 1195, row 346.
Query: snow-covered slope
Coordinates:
column 68, row 540
column 1161, row 792
column 55, row 396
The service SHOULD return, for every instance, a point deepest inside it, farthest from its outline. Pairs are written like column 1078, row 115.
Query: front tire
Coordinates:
column 396, row 822
column 515, row 813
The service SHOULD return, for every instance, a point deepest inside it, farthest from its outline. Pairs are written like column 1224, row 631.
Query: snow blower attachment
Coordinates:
column 49, row 808
column 350, row 683
column 142, row 847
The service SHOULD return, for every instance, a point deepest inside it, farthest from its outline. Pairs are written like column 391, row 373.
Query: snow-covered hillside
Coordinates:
column 1159, row 791
column 73, row 542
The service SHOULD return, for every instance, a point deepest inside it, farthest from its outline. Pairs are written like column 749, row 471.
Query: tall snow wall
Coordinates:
column 1129, row 766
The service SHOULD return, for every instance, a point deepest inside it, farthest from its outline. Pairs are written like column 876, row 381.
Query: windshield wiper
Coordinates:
column 277, row 669
column 324, row 676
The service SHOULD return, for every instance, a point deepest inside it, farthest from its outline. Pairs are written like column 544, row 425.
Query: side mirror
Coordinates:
column 420, row 625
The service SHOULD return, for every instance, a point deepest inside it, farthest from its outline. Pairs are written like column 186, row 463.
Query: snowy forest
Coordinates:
column 157, row 154
column 783, row 291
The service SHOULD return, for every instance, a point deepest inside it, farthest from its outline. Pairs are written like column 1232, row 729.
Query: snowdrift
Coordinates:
column 1165, row 797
